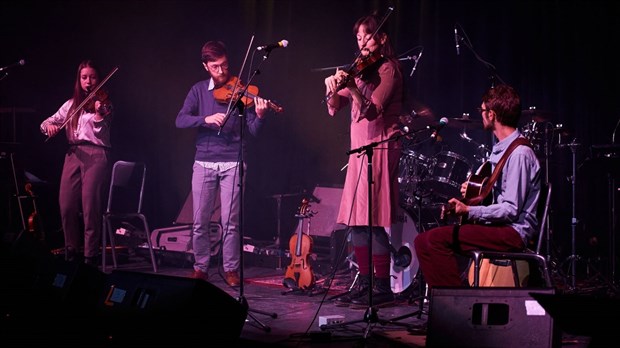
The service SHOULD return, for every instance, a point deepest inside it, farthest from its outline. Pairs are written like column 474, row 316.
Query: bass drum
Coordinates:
column 401, row 235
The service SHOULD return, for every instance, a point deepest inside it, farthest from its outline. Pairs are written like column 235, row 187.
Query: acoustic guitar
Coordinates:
column 473, row 188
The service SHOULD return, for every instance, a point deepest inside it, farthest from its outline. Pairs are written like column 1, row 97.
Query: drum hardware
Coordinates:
column 608, row 155
column 483, row 151
column 413, row 167
column 573, row 257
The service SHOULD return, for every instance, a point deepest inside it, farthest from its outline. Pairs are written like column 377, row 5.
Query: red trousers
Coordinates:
column 438, row 249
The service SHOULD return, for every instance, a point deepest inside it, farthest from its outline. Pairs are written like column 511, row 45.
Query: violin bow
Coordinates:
column 359, row 52
column 233, row 101
column 86, row 100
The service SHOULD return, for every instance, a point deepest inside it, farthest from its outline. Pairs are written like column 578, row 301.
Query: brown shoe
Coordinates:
column 198, row 274
column 232, row 278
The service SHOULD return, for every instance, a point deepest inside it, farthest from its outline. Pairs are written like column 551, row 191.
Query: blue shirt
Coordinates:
column 516, row 192
column 213, row 145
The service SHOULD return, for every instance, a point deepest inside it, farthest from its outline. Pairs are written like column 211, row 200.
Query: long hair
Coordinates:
column 78, row 93
column 371, row 23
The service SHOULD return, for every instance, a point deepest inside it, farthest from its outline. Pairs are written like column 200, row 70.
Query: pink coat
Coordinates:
column 384, row 88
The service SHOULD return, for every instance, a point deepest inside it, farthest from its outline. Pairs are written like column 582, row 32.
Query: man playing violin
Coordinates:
column 216, row 162
column 509, row 222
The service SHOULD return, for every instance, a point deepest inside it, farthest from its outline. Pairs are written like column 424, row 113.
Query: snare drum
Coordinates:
column 449, row 170
column 402, row 234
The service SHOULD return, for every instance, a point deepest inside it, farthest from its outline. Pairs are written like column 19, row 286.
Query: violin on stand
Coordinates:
column 299, row 271
column 34, row 220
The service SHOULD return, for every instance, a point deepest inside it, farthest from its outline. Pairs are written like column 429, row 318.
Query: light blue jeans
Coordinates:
column 206, row 184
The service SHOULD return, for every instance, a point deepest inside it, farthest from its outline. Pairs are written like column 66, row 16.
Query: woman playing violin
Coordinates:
column 373, row 88
column 216, row 161
column 86, row 170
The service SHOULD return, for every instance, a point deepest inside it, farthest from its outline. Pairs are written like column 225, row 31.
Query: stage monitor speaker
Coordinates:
column 161, row 310
column 77, row 284
column 57, row 308
column 484, row 317
column 325, row 207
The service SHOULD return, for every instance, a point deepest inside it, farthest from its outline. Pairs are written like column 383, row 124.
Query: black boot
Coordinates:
column 360, row 289
column 382, row 295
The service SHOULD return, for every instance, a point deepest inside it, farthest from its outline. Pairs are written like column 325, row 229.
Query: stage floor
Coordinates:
column 282, row 317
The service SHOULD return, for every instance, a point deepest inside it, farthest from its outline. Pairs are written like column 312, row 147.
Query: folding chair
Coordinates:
column 125, row 205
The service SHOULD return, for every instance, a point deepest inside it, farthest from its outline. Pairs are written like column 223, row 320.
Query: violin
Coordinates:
column 363, row 63
column 300, row 246
column 33, row 218
column 97, row 92
column 233, row 88
column 359, row 66
column 102, row 96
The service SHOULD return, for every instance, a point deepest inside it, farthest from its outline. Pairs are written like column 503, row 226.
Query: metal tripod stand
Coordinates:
column 370, row 316
column 572, row 258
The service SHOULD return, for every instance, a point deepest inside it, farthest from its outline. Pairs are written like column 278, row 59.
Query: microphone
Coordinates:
column 442, row 123
column 456, row 41
column 19, row 63
column 282, row 43
column 416, row 63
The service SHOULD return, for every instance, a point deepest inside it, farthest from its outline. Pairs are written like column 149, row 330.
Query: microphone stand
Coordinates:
column 467, row 43
column 370, row 316
column 242, row 113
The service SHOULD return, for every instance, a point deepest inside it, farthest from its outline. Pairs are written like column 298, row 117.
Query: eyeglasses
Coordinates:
column 481, row 110
column 217, row 67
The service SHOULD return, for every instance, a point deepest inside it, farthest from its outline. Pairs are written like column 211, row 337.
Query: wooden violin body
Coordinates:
column 105, row 105
column 34, row 223
column 361, row 64
column 234, row 87
column 300, row 246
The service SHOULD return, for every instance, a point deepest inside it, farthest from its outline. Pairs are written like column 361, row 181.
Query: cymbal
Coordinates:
column 533, row 114
column 417, row 120
column 420, row 116
column 464, row 122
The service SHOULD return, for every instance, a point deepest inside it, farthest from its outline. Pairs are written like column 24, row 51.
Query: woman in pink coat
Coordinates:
column 374, row 92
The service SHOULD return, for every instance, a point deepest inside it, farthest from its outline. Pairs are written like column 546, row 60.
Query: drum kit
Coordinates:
column 426, row 183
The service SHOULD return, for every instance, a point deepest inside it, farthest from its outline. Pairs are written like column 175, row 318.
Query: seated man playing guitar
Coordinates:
column 509, row 221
